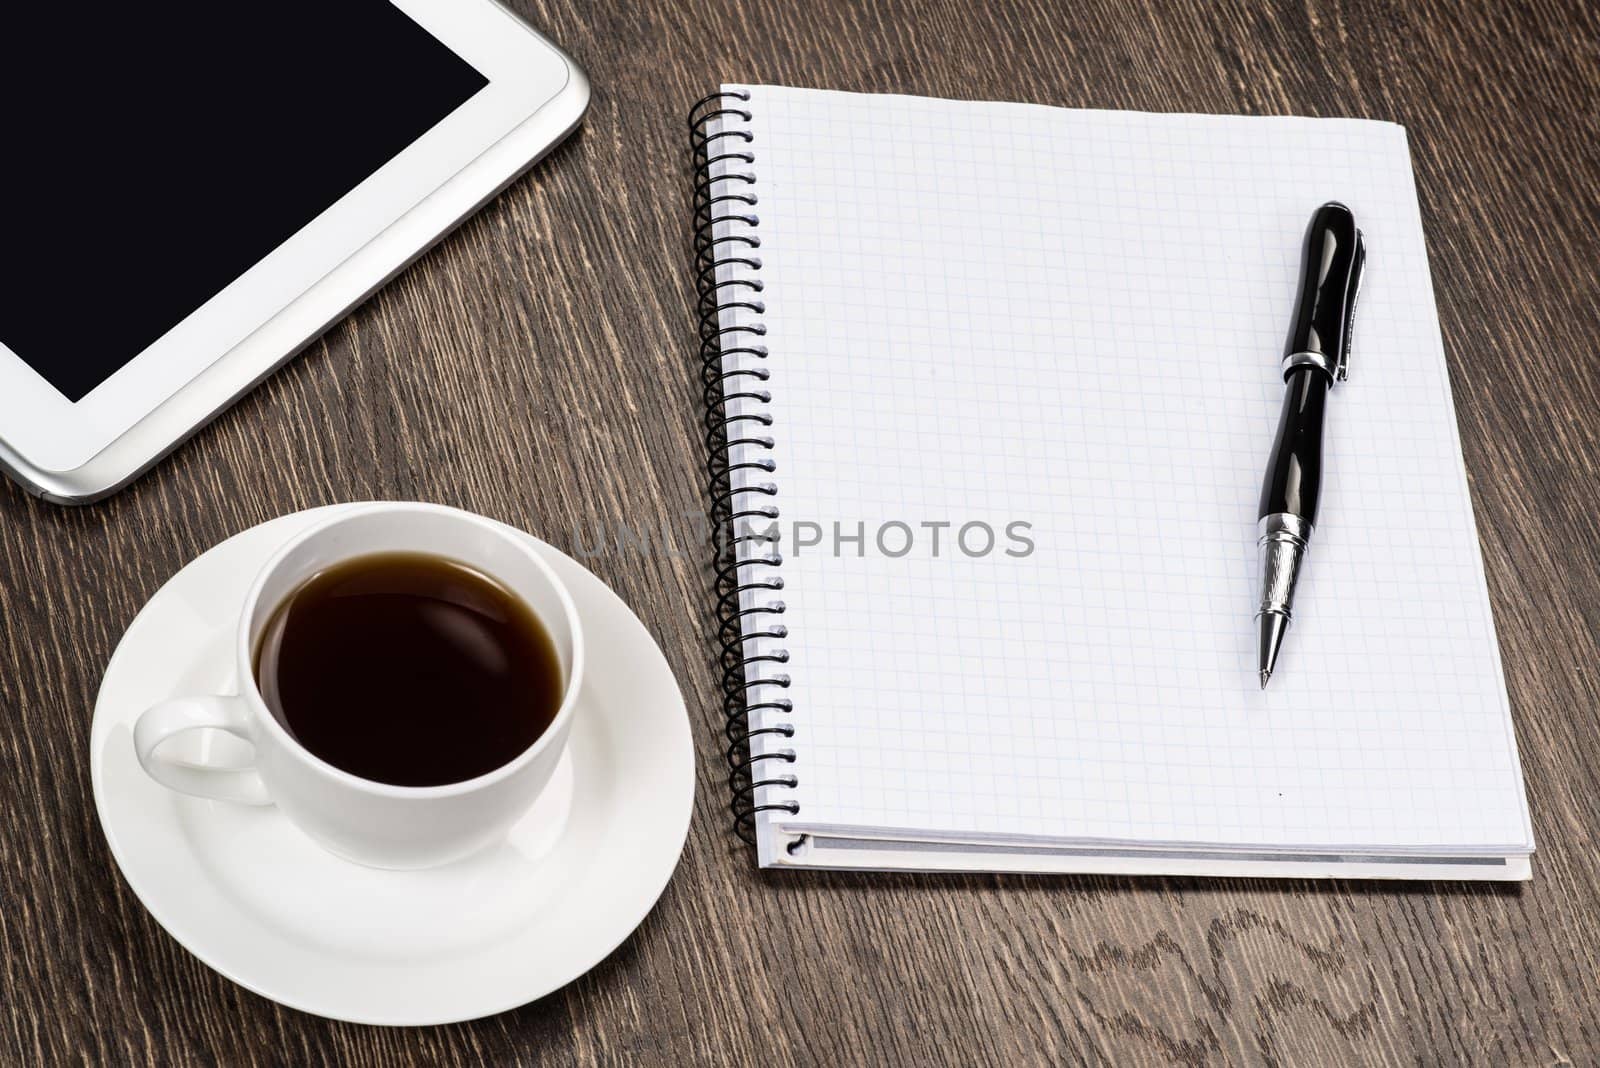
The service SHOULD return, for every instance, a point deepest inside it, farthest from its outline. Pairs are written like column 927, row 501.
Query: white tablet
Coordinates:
column 191, row 191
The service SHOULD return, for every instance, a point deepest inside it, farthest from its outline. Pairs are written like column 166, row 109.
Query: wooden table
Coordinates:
column 539, row 367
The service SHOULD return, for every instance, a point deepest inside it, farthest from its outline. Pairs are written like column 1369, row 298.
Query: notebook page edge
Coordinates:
column 1108, row 114
column 835, row 854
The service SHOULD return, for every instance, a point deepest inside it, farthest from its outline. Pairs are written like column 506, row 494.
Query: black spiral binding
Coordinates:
column 725, row 225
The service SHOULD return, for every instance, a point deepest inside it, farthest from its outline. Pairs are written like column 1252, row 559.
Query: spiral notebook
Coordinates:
column 990, row 389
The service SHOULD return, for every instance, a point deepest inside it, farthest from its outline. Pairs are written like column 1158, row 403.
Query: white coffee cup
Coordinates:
column 372, row 823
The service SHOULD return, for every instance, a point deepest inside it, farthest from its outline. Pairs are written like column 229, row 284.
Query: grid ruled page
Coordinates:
column 1063, row 327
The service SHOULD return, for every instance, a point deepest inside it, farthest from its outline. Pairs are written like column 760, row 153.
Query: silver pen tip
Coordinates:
column 1273, row 627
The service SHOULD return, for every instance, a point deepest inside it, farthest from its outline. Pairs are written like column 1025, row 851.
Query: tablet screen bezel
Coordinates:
column 524, row 73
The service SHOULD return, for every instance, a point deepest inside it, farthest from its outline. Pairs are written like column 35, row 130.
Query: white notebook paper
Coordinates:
column 1064, row 327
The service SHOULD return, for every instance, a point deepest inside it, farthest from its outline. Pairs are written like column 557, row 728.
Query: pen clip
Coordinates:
column 1358, row 265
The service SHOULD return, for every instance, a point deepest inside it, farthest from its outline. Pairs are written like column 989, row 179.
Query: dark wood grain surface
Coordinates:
column 538, row 367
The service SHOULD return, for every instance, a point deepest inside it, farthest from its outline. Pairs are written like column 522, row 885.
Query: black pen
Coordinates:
column 1316, row 355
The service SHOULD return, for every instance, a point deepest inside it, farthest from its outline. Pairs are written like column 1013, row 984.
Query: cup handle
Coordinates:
column 220, row 783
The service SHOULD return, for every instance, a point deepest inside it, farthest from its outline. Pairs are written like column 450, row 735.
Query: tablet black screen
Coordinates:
column 151, row 153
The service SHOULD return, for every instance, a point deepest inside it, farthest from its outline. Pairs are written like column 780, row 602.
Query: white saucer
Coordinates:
column 255, row 899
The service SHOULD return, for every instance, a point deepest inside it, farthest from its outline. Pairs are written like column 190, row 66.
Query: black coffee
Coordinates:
column 409, row 669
